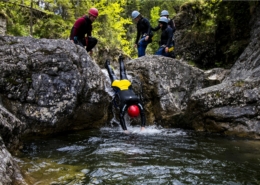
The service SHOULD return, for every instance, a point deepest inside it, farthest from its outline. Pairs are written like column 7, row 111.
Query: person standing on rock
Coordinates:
column 83, row 27
column 165, row 44
column 144, row 33
column 125, row 96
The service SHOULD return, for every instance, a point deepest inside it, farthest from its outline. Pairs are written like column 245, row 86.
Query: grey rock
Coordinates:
column 43, row 82
column 232, row 107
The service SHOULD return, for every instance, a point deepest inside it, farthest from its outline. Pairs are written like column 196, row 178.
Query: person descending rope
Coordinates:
column 83, row 26
column 128, row 100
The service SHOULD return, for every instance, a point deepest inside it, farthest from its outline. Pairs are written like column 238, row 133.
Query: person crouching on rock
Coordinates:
column 128, row 100
column 83, row 26
column 165, row 45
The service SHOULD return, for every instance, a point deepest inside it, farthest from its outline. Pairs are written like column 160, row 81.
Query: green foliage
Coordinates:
column 155, row 15
column 204, row 26
column 44, row 28
column 15, row 22
column 110, row 17
column 233, row 30
column 114, row 27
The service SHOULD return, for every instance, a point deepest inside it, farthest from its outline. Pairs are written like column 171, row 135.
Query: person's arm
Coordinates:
column 149, row 29
column 147, row 23
column 89, row 31
column 170, row 35
column 142, row 114
column 121, row 116
column 76, row 28
column 137, row 36
column 89, row 26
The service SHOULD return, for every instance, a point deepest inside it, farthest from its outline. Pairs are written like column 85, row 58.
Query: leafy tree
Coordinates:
column 115, row 29
column 110, row 17
column 232, row 31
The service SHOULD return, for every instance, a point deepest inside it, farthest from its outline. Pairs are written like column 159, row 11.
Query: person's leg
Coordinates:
column 159, row 51
column 123, row 109
column 142, row 45
column 79, row 42
column 142, row 115
column 122, row 69
column 91, row 43
column 164, row 53
column 110, row 71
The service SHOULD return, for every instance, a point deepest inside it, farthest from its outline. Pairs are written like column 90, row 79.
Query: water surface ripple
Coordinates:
column 155, row 156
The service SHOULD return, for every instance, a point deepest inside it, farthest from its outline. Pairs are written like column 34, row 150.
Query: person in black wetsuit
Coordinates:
column 83, row 26
column 128, row 100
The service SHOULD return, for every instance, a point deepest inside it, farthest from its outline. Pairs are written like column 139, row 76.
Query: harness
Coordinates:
column 119, row 85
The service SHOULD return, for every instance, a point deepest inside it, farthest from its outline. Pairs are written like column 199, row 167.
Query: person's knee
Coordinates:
column 93, row 41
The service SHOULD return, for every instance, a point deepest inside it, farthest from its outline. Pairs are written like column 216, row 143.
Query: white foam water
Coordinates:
column 149, row 130
column 71, row 148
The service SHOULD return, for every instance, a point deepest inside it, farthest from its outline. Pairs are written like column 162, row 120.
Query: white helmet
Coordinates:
column 164, row 13
column 163, row 20
column 135, row 14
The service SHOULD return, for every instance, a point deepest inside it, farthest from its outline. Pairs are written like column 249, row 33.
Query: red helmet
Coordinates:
column 93, row 11
column 133, row 111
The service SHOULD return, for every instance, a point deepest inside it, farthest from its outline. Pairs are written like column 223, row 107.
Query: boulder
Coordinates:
column 167, row 85
column 51, row 85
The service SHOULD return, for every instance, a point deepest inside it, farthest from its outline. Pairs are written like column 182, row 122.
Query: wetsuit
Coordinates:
column 143, row 30
column 81, row 27
column 124, row 93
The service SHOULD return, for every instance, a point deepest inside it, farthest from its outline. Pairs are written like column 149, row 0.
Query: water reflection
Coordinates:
column 155, row 156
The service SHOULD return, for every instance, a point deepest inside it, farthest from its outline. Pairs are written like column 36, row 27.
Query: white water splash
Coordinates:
column 149, row 130
column 71, row 148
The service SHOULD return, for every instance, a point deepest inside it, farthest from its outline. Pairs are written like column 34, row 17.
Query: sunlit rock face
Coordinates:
column 51, row 85
column 233, row 106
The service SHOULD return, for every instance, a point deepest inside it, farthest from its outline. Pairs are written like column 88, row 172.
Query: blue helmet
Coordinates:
column 164, row 13
column 163, row 20
column 135, row 14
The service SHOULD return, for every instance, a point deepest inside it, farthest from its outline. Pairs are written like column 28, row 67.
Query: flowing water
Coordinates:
column 155, row 156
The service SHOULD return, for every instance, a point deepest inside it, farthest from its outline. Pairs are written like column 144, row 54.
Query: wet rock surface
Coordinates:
column 50, row 86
